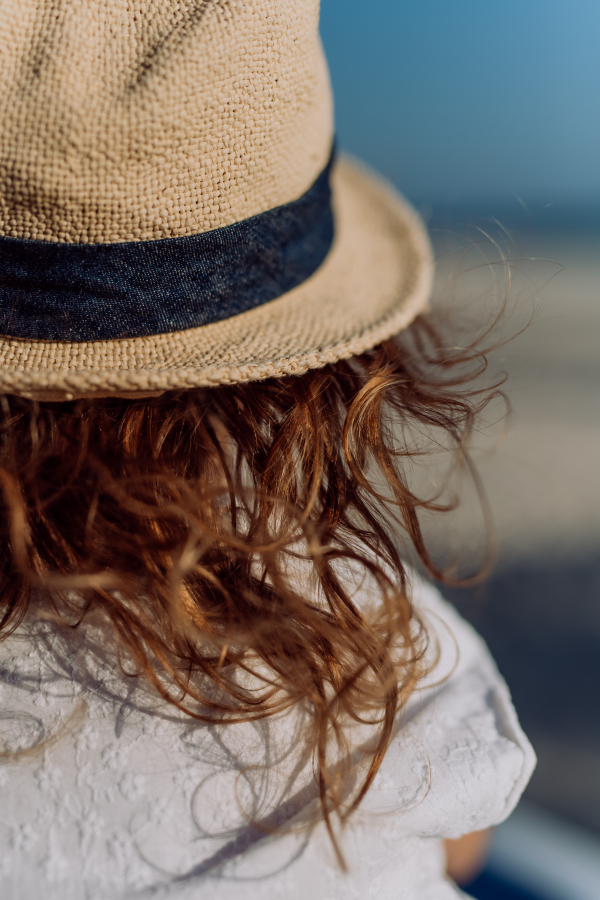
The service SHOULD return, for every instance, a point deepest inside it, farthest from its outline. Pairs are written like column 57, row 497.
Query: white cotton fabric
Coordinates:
column 107, row 794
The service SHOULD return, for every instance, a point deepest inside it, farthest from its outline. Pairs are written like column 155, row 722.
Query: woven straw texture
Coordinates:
column 143, row 119
column 128, row 120
column 375, row 280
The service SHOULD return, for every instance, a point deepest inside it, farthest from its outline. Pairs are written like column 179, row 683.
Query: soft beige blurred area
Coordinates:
column 540, row 609
column 541, row 472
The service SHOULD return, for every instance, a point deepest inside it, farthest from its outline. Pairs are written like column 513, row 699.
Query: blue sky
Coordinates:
column 455, row 99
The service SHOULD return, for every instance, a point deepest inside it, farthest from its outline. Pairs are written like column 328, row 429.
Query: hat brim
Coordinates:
column 374, row 282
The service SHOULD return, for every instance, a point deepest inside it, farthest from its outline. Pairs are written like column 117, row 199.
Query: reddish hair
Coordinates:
column 177, row 520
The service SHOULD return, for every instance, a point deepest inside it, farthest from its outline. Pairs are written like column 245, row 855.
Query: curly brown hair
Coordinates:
column 181, row 520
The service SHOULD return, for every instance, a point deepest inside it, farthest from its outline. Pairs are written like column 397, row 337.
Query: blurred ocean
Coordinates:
column 482, row 115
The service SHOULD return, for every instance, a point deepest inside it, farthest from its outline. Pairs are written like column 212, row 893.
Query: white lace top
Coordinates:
column 107, row 794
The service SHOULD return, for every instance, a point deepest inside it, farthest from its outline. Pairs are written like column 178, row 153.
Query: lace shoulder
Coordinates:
column 106, row 792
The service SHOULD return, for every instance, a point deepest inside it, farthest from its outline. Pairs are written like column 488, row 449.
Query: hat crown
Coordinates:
column 133, row 120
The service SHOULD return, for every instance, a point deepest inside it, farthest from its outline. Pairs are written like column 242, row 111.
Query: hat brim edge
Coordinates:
column 377, row 281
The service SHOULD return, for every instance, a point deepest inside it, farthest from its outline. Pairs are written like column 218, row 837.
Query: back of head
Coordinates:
column 205, row 415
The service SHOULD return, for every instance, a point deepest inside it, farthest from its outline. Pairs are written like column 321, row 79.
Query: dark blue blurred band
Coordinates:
column 92, row 292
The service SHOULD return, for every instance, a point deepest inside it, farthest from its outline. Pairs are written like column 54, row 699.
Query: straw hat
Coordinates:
column 171, row 211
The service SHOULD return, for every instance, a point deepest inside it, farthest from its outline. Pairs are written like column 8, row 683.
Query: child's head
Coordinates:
column 220, row 531
column 205, row 415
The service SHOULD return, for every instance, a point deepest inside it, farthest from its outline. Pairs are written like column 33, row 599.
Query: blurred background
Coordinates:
column 486, row 116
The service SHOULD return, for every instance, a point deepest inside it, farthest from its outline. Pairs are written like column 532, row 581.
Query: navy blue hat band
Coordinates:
column 92, row 292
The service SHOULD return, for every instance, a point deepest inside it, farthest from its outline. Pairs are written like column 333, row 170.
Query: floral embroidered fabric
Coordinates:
column 107, row 792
